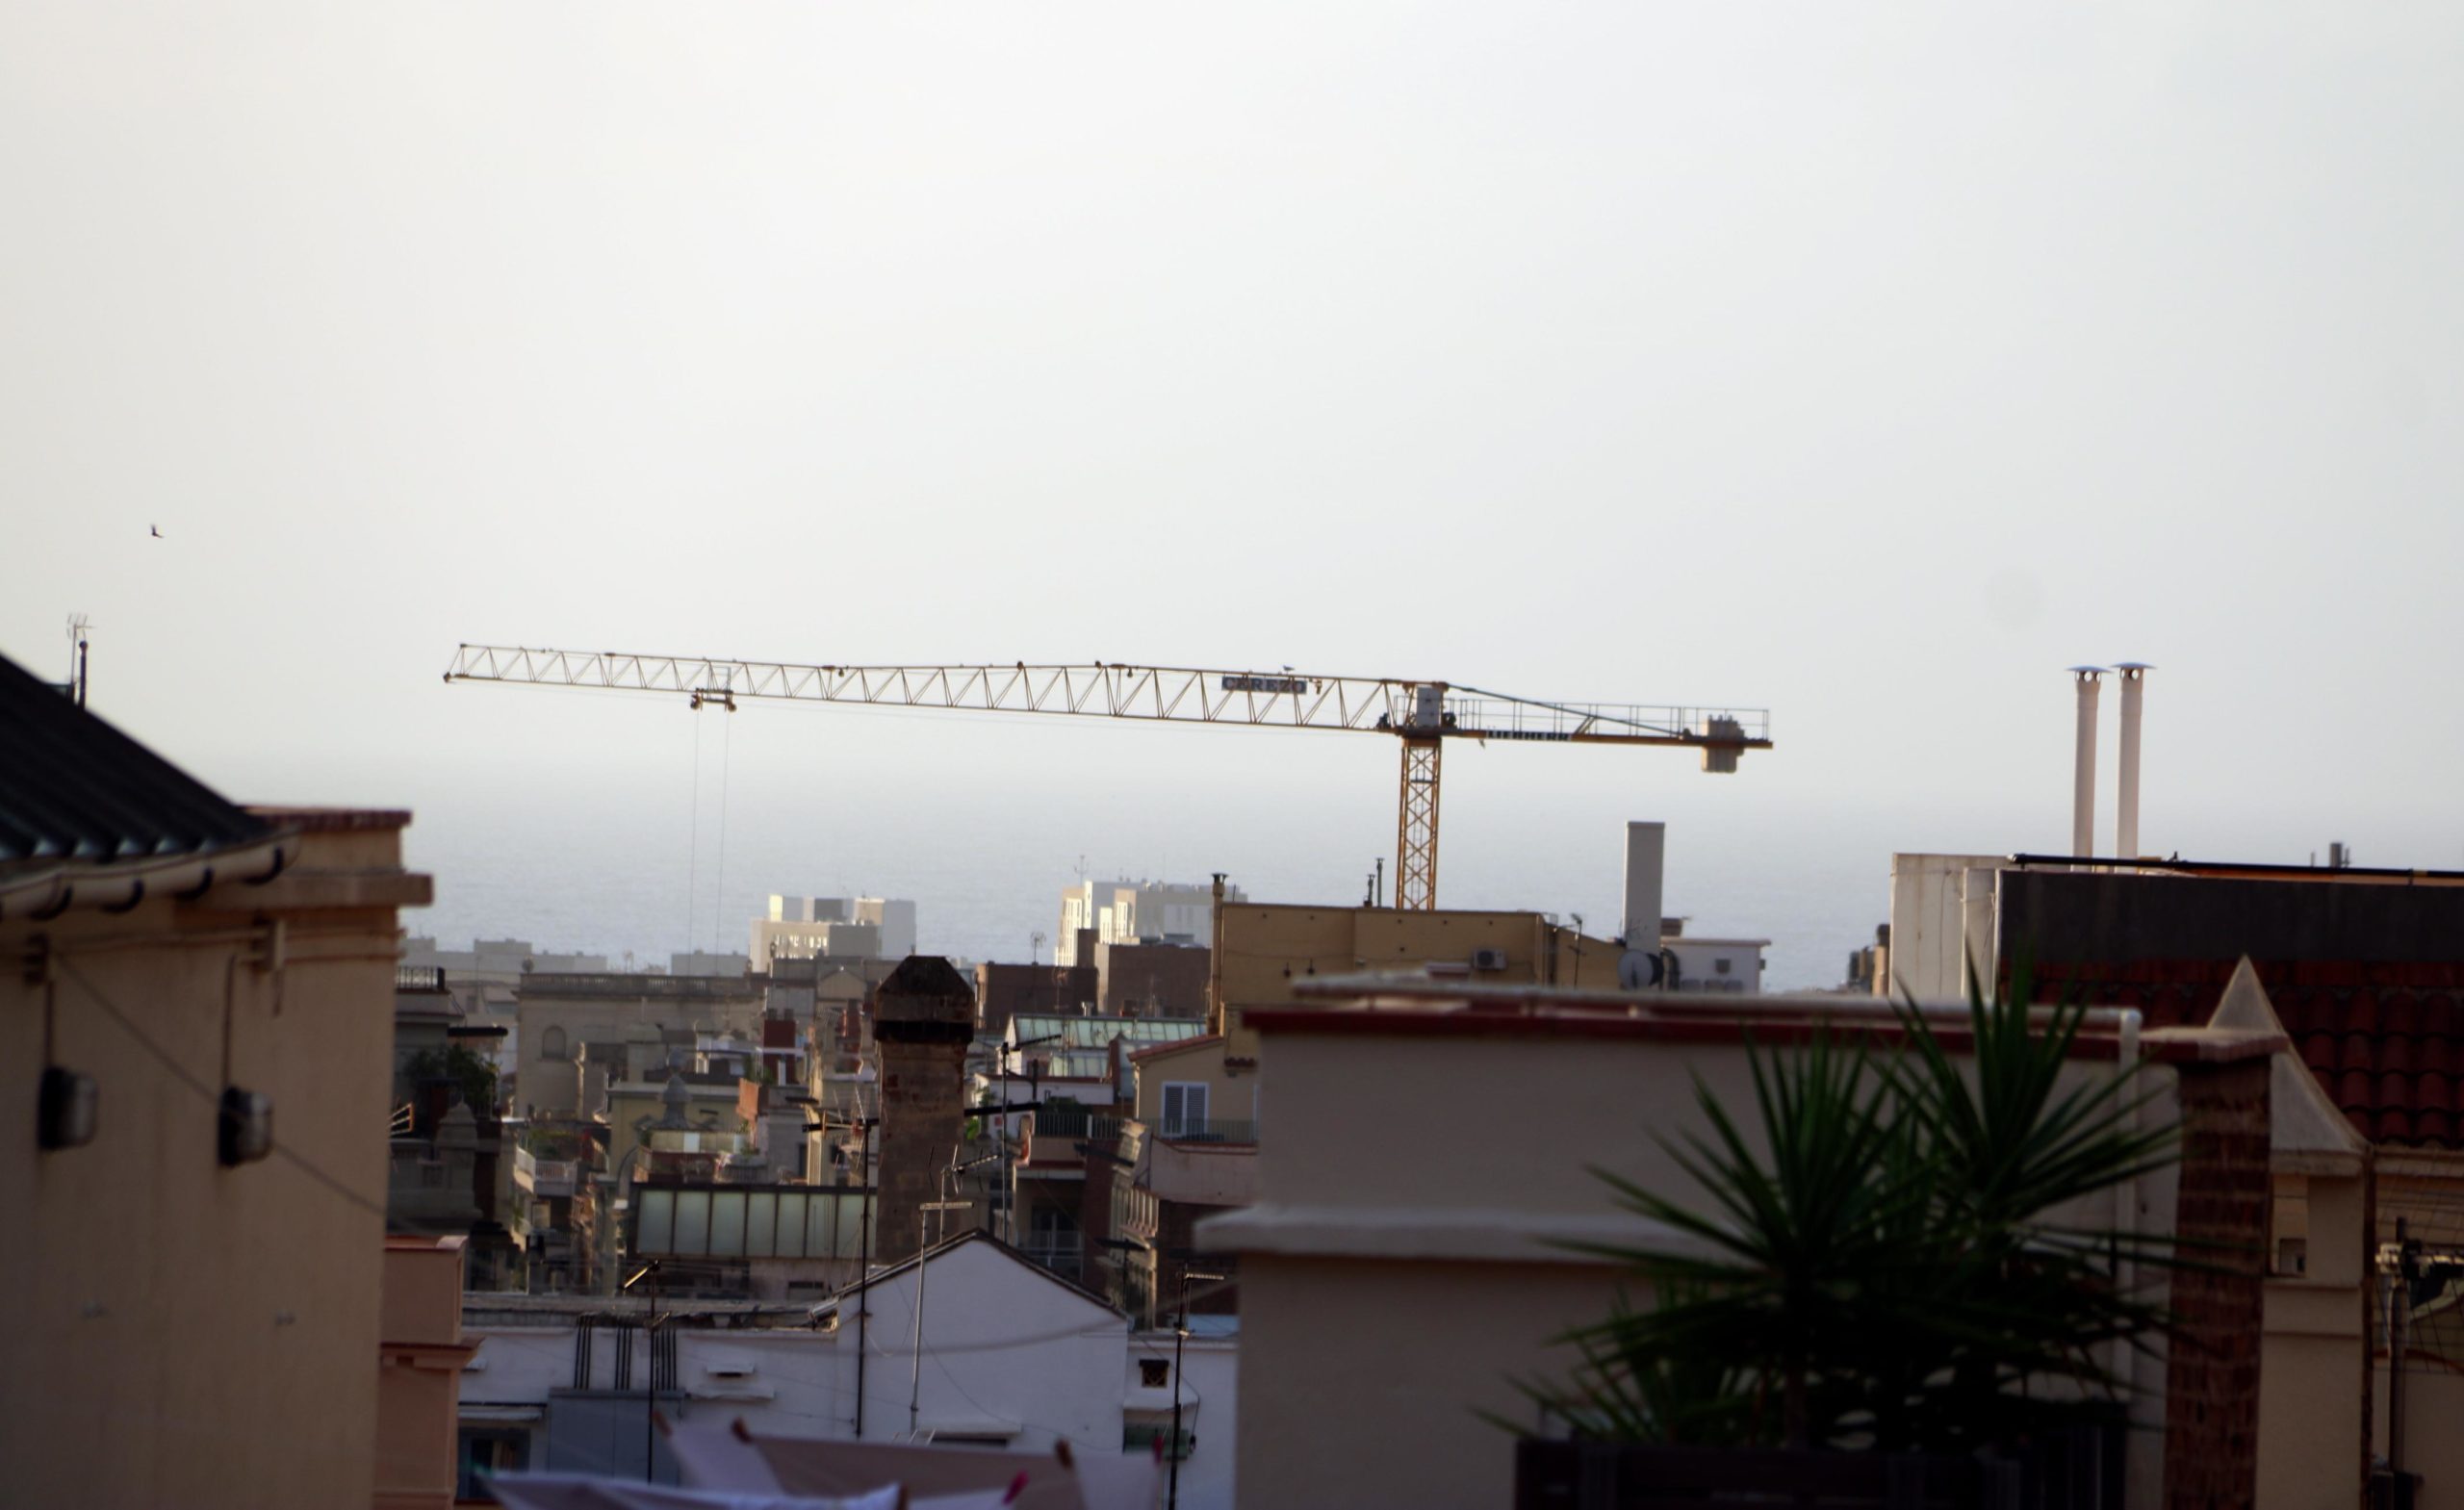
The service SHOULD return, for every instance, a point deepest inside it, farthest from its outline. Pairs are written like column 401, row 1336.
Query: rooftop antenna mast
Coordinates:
column 78, row 625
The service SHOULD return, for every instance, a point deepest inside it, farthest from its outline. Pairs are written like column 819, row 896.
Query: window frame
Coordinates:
column 1172, row 1126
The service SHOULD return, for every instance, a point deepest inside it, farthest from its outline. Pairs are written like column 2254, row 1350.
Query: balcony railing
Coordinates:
column 1185, row 1131
column 543, row 1177
column 1064, row 1124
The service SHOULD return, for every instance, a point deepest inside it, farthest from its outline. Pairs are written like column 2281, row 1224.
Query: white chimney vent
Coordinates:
column 2083, row 770
column 2134, row 680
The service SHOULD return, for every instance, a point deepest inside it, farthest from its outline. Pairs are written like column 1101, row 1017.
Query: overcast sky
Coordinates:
column 1868, row 363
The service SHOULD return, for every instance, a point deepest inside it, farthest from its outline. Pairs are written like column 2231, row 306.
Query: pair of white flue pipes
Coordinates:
column 2083, row 791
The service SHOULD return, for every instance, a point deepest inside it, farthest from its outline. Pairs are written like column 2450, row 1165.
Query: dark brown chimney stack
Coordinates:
column 923, row 1019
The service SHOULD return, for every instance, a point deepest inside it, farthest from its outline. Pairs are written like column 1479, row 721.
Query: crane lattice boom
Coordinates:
column 1422, row 713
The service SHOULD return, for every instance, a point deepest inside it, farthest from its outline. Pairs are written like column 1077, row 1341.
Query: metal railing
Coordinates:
column 544, row 1176
column 1066, row 1122
column 1205, row 1132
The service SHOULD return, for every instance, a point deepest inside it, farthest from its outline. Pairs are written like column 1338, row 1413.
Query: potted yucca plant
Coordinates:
column 1880, row 1302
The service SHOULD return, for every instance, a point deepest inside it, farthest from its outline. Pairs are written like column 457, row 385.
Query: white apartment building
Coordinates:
column 833, row 928
column 1127, row 911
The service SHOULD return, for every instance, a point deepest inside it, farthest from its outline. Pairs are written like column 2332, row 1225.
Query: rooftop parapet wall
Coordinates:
column 647, row 988
column 2120, row 918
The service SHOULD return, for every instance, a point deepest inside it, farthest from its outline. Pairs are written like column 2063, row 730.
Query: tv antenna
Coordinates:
column 78, row 625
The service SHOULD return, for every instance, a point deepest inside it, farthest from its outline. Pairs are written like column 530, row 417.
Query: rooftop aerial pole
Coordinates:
column 1180, row 1335
column 864, row 1295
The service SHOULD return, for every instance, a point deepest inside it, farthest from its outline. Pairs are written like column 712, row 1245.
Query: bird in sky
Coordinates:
column 156, row 530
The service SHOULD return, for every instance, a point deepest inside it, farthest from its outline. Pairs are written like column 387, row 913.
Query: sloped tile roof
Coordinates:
column 2385, row 1041
column 74, row 790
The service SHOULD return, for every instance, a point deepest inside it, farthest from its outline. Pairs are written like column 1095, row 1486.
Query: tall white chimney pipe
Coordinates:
column 2083, row 777
column 2134, row 677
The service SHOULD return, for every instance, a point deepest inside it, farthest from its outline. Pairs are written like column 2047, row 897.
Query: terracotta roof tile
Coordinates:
column 2319, row 1052
column 2352, row 1091
column 2385, row 1041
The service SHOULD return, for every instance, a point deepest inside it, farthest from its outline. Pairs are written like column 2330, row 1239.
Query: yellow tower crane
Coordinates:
column 1421, row 714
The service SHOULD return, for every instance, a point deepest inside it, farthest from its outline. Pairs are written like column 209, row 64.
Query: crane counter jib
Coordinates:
column 1422, row 714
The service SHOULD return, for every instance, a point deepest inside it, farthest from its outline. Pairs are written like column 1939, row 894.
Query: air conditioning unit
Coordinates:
column 1488, row 958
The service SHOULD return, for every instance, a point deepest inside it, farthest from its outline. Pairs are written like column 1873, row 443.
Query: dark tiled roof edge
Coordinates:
column 75, row 790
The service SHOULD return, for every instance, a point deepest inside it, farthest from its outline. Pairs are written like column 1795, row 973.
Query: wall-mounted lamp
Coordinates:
column 246, row 1129
column 66, row 1109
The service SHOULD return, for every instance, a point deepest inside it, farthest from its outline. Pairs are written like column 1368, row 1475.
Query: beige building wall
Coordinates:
column 1231, row 1089
column 557, row 1015
column 2314, row 1363
column 630, row 1104
column 1268, row 949
column 179, row 1332
column 2433, row 1448
column 419, row 1390
column 1401, row 1270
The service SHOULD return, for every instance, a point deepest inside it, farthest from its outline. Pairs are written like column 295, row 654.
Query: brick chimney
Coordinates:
column 923, row 1019
column 2221, row 1218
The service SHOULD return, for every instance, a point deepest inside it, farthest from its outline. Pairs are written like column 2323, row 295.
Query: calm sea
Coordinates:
column 612, row 872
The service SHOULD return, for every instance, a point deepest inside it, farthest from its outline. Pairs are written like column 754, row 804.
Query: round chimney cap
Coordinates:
column 2132, row 665
column 2088, row 671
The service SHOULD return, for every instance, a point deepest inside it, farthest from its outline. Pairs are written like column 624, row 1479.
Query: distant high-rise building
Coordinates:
column 1131, row 912
column 834, row 927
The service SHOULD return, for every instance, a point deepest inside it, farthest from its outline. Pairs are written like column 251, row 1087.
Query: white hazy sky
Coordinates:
column 1870, row 363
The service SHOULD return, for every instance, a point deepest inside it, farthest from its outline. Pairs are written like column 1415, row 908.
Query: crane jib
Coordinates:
column 1426, row 714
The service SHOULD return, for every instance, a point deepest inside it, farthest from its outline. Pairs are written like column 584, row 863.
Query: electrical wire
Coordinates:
column 772, row 1367
column 208, row 1094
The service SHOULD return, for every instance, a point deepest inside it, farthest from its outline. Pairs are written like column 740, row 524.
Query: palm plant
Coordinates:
column 1889, row 1268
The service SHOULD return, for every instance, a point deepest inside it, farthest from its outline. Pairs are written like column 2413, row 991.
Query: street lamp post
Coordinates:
column 1180, row 1336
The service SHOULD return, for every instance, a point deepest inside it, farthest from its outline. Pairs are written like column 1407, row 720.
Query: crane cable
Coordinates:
column 693, row 850
column 719, row 888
